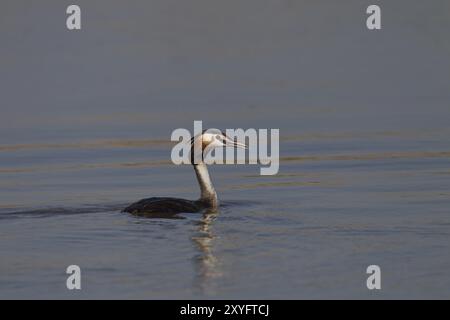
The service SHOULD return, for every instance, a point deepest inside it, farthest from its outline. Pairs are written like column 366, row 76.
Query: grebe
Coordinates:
column 208, row 140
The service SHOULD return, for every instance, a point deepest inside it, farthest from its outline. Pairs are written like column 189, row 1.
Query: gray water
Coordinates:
column 364, row 121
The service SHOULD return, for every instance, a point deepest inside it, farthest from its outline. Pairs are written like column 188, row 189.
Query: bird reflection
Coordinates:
column 207, row 264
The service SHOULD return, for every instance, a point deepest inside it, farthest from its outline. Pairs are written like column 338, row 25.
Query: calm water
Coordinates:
column 364, row 121
column 339, row 204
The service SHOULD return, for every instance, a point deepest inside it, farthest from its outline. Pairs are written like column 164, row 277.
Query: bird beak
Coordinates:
column 234, row 144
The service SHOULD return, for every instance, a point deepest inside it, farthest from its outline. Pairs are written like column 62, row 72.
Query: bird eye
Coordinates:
column 218, row 137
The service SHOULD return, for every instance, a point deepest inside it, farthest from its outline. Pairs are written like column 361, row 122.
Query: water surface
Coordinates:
column 364, row 123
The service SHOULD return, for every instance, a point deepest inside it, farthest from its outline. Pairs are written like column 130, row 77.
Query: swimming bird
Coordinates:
column 160, row 206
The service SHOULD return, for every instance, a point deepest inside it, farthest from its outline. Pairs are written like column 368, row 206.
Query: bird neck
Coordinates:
column 208, row 193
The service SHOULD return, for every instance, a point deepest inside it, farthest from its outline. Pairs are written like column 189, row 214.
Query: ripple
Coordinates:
column 88, row 144
column 370, row 156
column 57, row 211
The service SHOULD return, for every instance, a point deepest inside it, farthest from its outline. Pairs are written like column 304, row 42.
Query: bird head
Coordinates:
column 214, row 138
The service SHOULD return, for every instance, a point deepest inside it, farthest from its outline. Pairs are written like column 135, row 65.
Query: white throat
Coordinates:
column 208, row 193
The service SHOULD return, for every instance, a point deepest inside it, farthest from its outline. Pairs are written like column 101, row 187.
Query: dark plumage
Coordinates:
column 164, row 205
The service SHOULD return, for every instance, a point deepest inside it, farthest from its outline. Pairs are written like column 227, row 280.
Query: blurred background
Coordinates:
column 364, row 119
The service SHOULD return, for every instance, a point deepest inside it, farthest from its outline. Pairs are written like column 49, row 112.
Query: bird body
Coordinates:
column 208, row 196
column 163, row 205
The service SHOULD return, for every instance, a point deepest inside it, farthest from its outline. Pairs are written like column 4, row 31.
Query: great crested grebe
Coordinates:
column 208, row 140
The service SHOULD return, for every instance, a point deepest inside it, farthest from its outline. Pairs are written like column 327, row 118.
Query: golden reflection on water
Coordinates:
column 145, row 143
column 370, row 156
column 290, row 159
column 88, row 144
